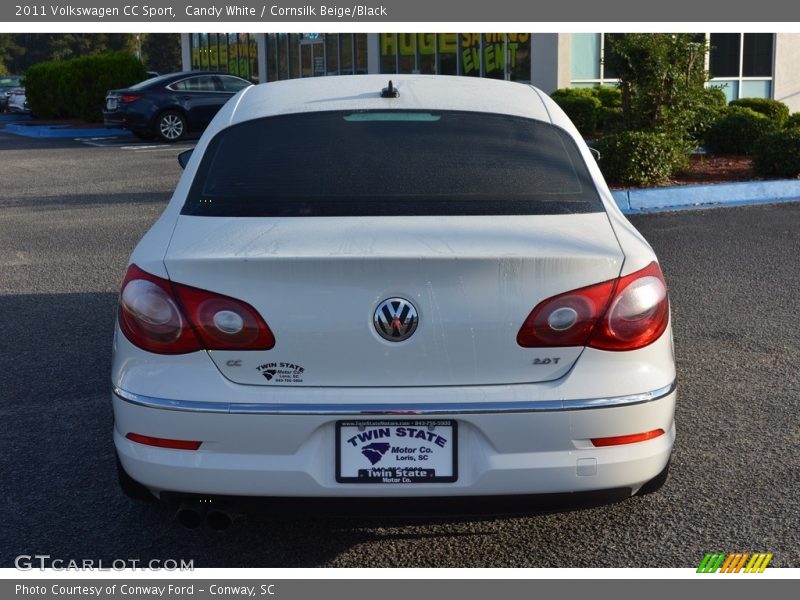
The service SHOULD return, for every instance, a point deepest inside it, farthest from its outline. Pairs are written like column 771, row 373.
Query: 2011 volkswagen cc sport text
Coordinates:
column 364, row 288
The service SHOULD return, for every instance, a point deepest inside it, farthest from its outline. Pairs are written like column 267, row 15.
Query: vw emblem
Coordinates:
column 395, row 319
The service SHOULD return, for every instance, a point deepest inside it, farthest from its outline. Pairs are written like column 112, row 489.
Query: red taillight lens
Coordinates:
column 567, row 319
column 621, row 314
column 638, row 314
column 619, row 440
column 149, row 315
column 128, row 98
column 163, row 442
column 169, row 318
column 224, row 323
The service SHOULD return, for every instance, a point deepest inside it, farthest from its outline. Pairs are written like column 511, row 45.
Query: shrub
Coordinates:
column 738, row 131
column 76, row 88
column 581, row 106
column 640, row 157
column 662, row 79
column 709, row 111
column 610, row 119
column 610, row 97
column 773, row 109
column 793, row 121
column 715, row 97
column 778, row 154
column 590, row 108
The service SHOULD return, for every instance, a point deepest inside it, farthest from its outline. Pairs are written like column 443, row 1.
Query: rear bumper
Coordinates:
column 125, row 120
column 510, row 450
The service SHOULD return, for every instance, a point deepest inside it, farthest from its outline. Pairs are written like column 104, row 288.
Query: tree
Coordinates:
column 18, row 51
column 662, row 77
column 162, row 52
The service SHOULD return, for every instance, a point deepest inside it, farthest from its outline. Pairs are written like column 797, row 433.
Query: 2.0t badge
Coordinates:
column 395, row 319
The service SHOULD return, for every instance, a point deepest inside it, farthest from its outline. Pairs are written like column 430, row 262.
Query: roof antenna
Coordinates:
column 390, row 92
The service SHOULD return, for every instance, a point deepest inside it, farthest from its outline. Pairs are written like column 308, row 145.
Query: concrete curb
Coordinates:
column 62, row 131
column 639, row 201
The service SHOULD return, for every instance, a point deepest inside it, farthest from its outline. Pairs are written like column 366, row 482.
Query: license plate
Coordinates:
column 396, row 452
column 111, row 104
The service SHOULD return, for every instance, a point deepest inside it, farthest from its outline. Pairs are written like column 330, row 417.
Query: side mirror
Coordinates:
column 595, row 153
column 183, row 157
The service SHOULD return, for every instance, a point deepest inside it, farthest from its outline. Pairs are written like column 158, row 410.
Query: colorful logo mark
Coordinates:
column 745, row 562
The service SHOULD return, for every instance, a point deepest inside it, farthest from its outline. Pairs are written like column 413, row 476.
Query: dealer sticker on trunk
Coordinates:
column 396, row 452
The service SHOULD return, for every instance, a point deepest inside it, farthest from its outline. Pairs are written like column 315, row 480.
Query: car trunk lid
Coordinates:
column 318, row 281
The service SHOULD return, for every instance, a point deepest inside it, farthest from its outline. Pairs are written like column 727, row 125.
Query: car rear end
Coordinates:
column 125, row 109
column 357, row 294
column 7, row 84
column 18, row 101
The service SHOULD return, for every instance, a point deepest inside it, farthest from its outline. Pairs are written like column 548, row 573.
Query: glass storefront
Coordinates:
column 741, row 64
column 493, row 55
column 295, row 55
column 235, row 53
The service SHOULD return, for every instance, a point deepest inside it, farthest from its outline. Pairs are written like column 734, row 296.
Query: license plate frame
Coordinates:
column 440, row 446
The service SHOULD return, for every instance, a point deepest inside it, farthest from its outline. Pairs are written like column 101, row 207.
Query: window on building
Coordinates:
column 447, row 53
column 234, row 53
column 493, row 55
column 740, row 64
column 588, row 67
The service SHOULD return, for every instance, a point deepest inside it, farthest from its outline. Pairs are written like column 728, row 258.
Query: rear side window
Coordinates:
column 203, row 83
column 233, row 84
column 391, row 163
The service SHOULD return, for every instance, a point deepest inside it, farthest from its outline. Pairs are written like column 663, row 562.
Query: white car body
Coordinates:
column 17, row 101
column 524, row 417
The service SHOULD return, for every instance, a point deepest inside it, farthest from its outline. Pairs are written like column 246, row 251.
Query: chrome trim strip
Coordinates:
column 443, row 408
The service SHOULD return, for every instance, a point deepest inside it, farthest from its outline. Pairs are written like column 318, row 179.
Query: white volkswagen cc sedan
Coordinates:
column 365, row 288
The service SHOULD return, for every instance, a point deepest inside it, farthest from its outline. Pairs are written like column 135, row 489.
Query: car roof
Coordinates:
column 168, row 78
column 416, row 92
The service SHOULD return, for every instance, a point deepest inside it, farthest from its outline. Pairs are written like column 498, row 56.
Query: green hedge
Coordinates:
column 773, row 109
column 711, row 108
column 738, row 131
column 640, row 157
column 591, row 108
column 793, row 121
column 77, row 88
column 778, row 154
column 582, row 111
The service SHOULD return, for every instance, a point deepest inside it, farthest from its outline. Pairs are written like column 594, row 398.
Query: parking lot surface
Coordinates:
column 71, row 212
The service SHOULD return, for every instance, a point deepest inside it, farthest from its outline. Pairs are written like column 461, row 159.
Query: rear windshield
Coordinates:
column 391, row 163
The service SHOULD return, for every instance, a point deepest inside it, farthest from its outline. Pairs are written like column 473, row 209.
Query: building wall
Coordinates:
column 553, row 60
column 787, row 70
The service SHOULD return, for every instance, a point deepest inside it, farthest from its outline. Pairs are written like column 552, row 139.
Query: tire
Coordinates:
column 171, row 126
column 132, row 488
column 655, row 483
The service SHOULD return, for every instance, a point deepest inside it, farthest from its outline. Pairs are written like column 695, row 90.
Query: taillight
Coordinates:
column 149, row 315
column 224, row 323
column 170, row 318
column 128, row 98
column 621, row 314
column 638, row 313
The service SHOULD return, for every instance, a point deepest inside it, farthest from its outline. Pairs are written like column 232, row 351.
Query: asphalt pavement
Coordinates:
column 71, row 212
